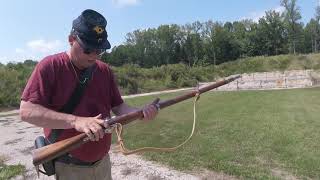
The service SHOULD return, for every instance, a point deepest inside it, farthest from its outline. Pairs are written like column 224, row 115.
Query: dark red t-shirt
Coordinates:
column 52, row 83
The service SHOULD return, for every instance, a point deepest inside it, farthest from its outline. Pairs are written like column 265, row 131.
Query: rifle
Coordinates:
column 59, row 148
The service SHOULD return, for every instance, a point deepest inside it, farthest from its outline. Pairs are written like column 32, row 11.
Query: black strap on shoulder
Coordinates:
column 73, row 101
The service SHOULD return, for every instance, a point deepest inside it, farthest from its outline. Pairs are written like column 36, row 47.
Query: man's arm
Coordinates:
column 44, row 117
column 47, row 118
column 123, row 109
column 149, row 111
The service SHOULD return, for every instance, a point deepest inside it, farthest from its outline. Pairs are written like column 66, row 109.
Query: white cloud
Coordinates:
column 255, row 16
column 279, row 9
column 17, row 58
column 19, row 50
column 44, row 46
column 122, row 3
column 35, row 50
column 4, row 60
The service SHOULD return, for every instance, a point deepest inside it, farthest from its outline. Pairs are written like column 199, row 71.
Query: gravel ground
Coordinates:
column 18, row 138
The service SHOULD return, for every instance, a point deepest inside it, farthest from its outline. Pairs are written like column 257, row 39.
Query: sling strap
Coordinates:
column 73, row 101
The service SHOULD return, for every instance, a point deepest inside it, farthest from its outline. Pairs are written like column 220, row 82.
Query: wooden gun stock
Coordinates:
column 57, row 149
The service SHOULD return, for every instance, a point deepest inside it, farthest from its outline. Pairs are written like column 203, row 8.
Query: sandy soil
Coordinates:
column 18, row 139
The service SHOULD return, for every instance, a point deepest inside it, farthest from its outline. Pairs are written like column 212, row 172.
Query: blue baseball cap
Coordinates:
column 90, row 27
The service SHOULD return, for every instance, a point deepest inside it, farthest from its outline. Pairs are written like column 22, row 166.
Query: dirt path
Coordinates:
column 17, row 142
column 18, row 139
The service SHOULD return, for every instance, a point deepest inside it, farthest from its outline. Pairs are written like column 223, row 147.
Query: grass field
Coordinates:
column 248, row 134
column 9, row 171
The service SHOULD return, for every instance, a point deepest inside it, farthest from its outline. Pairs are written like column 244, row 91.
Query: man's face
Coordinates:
column 81, row 56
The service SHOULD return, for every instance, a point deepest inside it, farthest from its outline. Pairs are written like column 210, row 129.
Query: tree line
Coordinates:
column 204, row 43
column 133, row 79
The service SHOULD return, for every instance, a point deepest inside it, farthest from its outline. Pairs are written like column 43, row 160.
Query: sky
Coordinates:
column 34, row 29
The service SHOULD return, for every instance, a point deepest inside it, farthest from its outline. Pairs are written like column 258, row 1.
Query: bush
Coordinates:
column 132, row 79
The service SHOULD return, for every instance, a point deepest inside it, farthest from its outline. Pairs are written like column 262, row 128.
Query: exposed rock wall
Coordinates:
column 274, row 80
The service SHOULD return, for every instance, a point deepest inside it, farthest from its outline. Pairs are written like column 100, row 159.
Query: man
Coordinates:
column 51, row 85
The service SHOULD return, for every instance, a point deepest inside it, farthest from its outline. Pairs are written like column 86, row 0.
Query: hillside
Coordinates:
column 132, row 79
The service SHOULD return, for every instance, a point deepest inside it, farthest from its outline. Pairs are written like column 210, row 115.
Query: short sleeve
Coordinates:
column 116, row 98
column 39, row 86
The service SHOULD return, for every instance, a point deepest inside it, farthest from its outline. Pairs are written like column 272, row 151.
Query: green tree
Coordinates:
column 312, row 36
column 292, row 16
column 225, row 46
column 240, row 32
column 193, row 44
column 272, row 30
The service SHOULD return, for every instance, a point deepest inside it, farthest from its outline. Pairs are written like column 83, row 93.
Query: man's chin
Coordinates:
column 87, row 64
column 90, row 62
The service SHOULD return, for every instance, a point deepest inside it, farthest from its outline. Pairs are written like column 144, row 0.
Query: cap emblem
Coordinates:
column 98, row 29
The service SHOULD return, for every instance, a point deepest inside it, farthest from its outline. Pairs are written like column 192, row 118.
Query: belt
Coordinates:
column 68, row 159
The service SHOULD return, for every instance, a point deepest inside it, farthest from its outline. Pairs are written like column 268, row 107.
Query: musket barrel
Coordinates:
column 194, row 92
column 57, row 149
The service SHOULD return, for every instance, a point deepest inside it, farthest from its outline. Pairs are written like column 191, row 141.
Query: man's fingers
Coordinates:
column 149, row 112
column 97, row 131
column 99, row 116
column 156, row 101
column 94, row 132
column 105, row 124
column 146, row 113
column 89, row 134
column 101, row 133
column 92, row 127
column 99, row 121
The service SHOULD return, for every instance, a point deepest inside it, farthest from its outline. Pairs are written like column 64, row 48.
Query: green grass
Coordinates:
column 9, row 171
column 133, row 79
column 248, row 134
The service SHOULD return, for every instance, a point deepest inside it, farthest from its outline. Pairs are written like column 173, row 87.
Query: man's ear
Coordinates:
column 71, row 40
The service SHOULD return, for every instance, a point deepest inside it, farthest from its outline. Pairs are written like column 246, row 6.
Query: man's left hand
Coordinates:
column 149, row 112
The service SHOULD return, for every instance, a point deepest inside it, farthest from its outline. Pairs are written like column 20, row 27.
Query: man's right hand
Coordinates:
column 92, row 126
